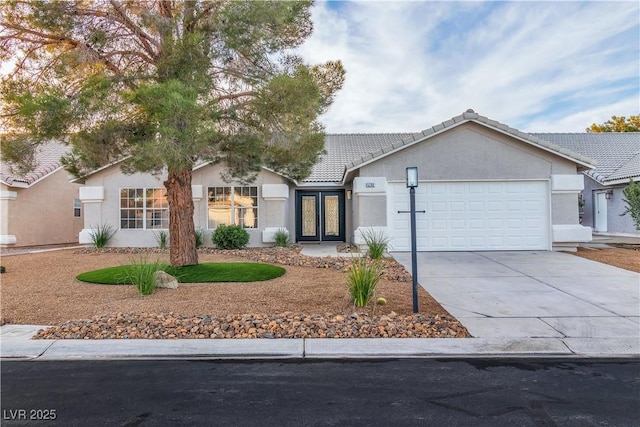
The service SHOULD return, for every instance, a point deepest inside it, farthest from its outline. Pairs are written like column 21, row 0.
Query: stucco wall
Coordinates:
column 43, row 213
column 474, row 152
column 615, row 207
column 470, row 152
column 271, row 213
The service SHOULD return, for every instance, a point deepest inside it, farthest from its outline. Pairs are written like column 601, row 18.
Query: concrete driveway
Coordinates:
column 533, row 294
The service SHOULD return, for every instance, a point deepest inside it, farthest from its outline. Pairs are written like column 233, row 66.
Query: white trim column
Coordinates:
column 568, row 233
column 91, row 198
column 5, row 198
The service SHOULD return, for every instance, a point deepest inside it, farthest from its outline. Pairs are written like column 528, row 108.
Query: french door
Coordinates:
column 320, row 216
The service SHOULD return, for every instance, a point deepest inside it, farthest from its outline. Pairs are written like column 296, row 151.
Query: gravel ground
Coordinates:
column 310, row 300
column 626, row 256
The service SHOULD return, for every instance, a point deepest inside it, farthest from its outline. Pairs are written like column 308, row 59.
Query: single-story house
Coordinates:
column 482, row 186
column 40, row 207
column 617, row 156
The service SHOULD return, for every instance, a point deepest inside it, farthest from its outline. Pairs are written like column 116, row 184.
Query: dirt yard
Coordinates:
column 627, row 257
column 41, row 289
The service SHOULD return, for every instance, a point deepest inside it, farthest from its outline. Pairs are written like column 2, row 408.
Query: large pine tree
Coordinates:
column 163, row 85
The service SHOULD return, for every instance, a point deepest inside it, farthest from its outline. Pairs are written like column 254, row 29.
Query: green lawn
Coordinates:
column 200, row 273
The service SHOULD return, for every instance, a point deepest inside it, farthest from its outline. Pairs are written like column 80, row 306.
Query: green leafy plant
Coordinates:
column 362, row 278
column 376, row 242
column 632, row 199
column 101, row 235
column 230, row 237
column 141, row 273
column 199, row 235
column 282, row 238
column 162, row 237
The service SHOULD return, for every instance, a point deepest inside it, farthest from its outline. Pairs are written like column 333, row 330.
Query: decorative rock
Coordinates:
column 165, row 280
column 279, row 325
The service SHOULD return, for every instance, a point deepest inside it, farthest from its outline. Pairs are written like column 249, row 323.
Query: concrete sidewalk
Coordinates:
column 15, row 344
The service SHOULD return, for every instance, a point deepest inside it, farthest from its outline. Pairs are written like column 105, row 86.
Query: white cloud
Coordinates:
column 536, row 66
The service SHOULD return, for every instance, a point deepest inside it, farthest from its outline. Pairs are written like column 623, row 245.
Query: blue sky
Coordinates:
column 537, row 66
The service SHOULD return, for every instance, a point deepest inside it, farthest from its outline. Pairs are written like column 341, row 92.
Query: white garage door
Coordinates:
column 462, row 216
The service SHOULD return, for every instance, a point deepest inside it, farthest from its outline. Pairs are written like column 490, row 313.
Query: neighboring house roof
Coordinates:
column 617, row 153
column 348, row 152
column 47, row 161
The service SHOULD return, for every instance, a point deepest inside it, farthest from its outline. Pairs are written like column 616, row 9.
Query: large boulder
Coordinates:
column 165, row 280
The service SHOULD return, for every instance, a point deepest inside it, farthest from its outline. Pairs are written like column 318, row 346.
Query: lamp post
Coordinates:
column 412, row 183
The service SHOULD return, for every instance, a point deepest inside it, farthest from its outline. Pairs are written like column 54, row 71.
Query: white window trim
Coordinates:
column 144, row 208
column 233, row 206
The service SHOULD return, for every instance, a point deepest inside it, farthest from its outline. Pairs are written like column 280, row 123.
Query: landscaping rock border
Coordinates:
column 282, row 325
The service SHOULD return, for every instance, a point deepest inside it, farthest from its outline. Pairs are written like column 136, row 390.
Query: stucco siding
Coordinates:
column 271, row 212
column 43, row 214
column 588, row 216
column 616, row 222
column 564, row 209
column 471, row 152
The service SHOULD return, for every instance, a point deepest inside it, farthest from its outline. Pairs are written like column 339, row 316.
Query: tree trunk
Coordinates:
column 182, row 242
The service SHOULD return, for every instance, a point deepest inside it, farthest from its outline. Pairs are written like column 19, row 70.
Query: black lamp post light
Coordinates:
column 412, row 183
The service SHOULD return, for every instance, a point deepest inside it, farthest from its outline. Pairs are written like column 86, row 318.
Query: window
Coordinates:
column 233, row 205
column 77, row 208
column 144, row 208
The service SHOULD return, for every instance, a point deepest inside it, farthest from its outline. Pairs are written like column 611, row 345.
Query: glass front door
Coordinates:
column 319, row 216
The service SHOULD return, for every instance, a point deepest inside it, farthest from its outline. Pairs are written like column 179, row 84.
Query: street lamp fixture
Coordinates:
column 412, row 177
column 412, row 183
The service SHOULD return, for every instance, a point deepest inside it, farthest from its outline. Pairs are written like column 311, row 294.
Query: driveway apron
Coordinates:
column 532, row 294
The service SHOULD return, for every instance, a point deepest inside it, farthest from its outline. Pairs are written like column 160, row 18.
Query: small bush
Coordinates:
column 632, row 199
column 376, row 242
column 162, row 237
column 230, row 237
column 141, row 273
column 199, row 234
column 282, row 238
column 2, row 269
column 362, row 278
column 101, row 235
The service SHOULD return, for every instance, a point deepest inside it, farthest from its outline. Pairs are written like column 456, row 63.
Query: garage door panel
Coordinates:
column 474, row 216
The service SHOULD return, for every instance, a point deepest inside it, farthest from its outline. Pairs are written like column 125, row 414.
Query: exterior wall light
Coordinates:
column 608, row 194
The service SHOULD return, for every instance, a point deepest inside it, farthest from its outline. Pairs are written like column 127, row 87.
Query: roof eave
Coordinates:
column 467, row 117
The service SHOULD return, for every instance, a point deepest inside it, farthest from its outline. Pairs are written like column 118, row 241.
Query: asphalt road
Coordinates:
column 412, row 392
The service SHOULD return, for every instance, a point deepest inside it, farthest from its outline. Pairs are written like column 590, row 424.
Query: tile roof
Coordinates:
column 617, row 153
column 47, row 161
column 347, row 147
column 350, row 151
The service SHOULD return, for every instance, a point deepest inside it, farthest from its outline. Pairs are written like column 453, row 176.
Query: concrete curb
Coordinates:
column 316, row 348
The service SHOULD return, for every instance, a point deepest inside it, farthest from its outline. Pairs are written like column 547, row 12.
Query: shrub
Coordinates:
column 362, row 278
column 162, row 237
column 632, row 199
column 2, row 269
column 199, row 233
column 101, row 235
column 282, row 238
column 230, row 237
column 376, row 242
column 141, row 273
